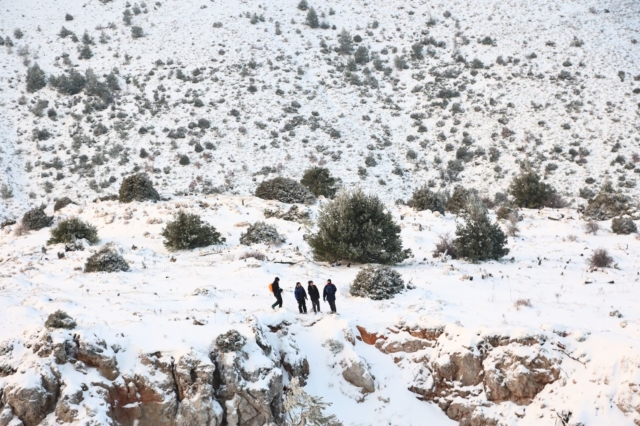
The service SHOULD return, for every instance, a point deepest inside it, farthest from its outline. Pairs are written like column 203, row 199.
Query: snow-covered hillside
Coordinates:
column 440, row 93
column 555, row 336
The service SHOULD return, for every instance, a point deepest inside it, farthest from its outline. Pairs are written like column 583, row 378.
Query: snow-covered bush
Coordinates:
column 600, row 259
column 36, row 79
column 530, row 192
column 478, row 239
column 284, row 190
column 320, row 182
column 623, row 225
column 261, row 232
column 377, row 283
column 294, row 214
column 70, row 230
column 425, row 199
column 607, row 204
column 458, row 200
column 300, row 408
column 357, row 228
column 188, row 231
column 106, row 260
column 68, row 84
column 137, row 187
column 62, row 203
column 36, row 219
column 60, row 319
column 231, row 341
column 445, row 246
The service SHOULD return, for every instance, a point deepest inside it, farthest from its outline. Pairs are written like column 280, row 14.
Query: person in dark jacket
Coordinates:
column 314, row 295
column 301, row 296
column 329, row 295
column 277, row 292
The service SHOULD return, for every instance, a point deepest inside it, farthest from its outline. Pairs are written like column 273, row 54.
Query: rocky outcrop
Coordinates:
column 32, row 398
column 356, row 372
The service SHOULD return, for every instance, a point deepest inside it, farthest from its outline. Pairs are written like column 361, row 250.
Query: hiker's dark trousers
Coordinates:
column 278, row 301
column 302, row 306
column 315, row 303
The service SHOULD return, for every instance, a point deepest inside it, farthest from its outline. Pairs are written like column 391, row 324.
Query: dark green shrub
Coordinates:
column 362, row 55
column 261, row 232
column 137, row 187
column 85, row 52
column 60, row 319
column 529, row 191
column 36, row 219
column 608, row 204
column 187, row 231
column 377, row 283
column 71, row 83
column 357, row 228
column 458, row 200
column 36, row 78
column 312, row 18
column 345, row 42
column 623, row 226
column 425, row 199
column 478, row 239
column 106, row 260
column 137, row 32
column 184, row 160
column 320, row 182
column 231, row 341
column 284, row 190
column 70, row 230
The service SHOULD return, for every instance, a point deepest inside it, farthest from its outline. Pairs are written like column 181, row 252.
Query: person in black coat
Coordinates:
column 277, row 292
column 329, row 295
column 301, row 296
column 314, row 295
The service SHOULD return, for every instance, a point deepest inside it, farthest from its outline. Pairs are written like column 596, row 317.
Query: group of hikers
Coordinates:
column 328, row 295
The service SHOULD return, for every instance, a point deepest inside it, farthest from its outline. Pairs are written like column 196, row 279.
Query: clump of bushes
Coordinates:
column 71, row 83
column 231, row 341
column 445, row 247
column 529, row 191
column 106, row 260
column 478, row 239
column 36, row 219
column 294, row 214
column 607, row 204
column 623, row 225
column 357, row 228
column 320, row 182
column 458, row 200
column 261, row 232
column 284, row 190
column 70, row 230
column 137, row 187
column 187, row 231
column 377, row 283
column 600, row 259
column 62, row 203
column 425, row 199
column 60, row 319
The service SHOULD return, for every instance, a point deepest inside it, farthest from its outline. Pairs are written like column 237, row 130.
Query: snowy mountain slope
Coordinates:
column 178, row 308
column 553, row 84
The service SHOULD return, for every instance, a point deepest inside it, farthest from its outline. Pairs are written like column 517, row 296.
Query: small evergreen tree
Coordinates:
column 261, row 232
column 106, row 260
column 529, row 191
column 608, row 204
column 69, row 230
column 425, row 199
column 303, row 5
column 357, row 228
column 362, row 55
column 320, row 182
column 85, row 52
column 300, row 408
column 345, row 42
column 36, row 219
column 284, row 190
column 312, row 18
column 479, row 239
column 137, row 187
column 458, row 200
column 377, row 283
column 187, row 231
column 36, row 79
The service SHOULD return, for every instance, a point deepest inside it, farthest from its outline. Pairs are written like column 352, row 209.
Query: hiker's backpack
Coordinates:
column 271, row 287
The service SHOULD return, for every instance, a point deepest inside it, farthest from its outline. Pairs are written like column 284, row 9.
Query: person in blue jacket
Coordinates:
column 301, row 297
column 329, row 295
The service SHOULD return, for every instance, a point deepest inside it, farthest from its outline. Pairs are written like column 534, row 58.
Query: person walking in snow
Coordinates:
column 277, row 292
column 329, row 295
column 314, row 295
column 301, row 297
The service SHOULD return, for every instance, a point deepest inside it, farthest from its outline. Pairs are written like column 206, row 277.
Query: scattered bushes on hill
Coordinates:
column 425, row 199
column 478, row 239
column 187, row 231
column 623, row 225
column 284, row 190
column 106, row 260
column 600, row 259
column 529, row 191
column 70, row 230
column 608, row 204
column 62, row 203
column 137, row 187
column 36, row 79
column 36, row 219
column 231, row 341
column 60, row 319
column 260, row 232
column 377, row 283
column 320, row 182
column 356, row 227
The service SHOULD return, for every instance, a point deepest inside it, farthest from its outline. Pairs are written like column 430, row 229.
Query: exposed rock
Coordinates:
column 194, row 376
column 7, row 418
column 95, row 353
column 34, row 398
column 67, row 407
column 357, row 373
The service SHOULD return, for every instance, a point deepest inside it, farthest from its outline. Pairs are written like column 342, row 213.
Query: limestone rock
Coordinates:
column 357, row 373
